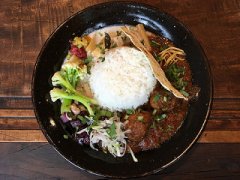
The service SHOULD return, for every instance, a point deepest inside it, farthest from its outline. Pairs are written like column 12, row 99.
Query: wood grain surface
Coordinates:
column 40, row 161
column 25, row 26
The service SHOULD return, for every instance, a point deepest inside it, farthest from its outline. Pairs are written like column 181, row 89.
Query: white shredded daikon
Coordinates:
column 132, row 154
column 100, row 138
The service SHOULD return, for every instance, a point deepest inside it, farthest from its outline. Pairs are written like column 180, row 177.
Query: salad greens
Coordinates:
column 57, row 93
column 67, row 79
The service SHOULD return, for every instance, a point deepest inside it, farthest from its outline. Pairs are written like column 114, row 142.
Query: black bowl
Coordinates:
column 118, row 13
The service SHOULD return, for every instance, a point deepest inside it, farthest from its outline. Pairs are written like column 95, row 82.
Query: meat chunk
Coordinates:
column 163, row 130
column 151, row 140
column 162, row 100
column 138, row 124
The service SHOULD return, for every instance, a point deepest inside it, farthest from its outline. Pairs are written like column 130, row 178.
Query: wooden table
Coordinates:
column 26, row 24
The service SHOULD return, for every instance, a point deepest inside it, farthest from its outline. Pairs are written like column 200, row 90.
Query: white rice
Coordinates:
column 123, row 81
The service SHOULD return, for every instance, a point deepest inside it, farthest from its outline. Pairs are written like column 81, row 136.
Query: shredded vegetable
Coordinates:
column 109, row 136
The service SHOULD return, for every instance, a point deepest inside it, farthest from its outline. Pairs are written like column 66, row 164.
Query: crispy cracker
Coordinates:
column 156, row 68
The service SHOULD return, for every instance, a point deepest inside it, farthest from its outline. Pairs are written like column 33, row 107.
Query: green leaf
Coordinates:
column 112, row 131
column 82, row 119
column 104, row 112
column 65, row 136
column 65, row 106
column 130, row 111
column 153, row 126
column 157, row 57
column 160, row 117
column 156, row 97
column 165, row 46
column 88, row 60
column 154, row 44
column 109, row 114
column 154, row 112
column 175, row 75
column 184, row 93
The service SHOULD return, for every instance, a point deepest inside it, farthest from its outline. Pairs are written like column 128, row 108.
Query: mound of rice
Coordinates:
column 123, row 81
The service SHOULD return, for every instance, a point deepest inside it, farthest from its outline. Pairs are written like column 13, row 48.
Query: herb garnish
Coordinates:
column 175, row 74
column 130, row 111
column 65, row 136
column 94, row 123
column 112, row 131
column 169, row 128
column 184, row 93
column 88, row 60
column 160, row 117
column 154, row 112
column 82, row 119
column 153, row 125
column 157, row 57
column 165, row 46
column 165, row 98
column 156, row 97
column 154, row 44
column 140, row 118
